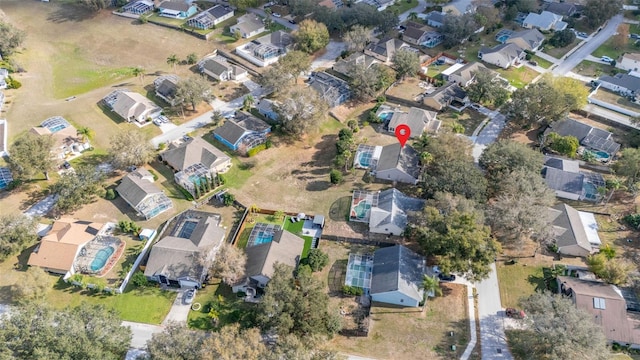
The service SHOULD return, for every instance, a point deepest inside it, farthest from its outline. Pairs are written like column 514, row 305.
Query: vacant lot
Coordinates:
column 558, row 53
column 593, row 69
column 517, row 281
column 518, row 77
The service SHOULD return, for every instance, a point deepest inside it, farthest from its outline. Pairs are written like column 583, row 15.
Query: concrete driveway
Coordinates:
column 42, row 207
column 141, row 333
column 328, row 58
column 589, row 46
column 489, row 133
column 179, row 310
column 492, row 339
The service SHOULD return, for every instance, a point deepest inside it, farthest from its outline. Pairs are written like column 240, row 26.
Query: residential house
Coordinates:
column 285, row 248
column 417, row 119
column 565, row 178
column 267, row 49
column 397, row 276
column 132, row 106
column 138, row 7
column 445, row 96
column 265, row 107
column 177, row 9
column 545, row 21
column 503, row 55
column 459, row 7
column 397, row 163
column 248, row 25
column 624, row 84
column 575, row 232
column 385, row 49
column 218, row 68
column 386, row 212
column 211, row 17
column 332, row 89
column 629, row 62
column 66, row 141
column 4, row 133
column 182, row 257
column 139, row 191
column 463, row 74
column 58, row 249
column 243, row 132
column 331, row 4
column 435, row 19
column 592, row 138
column 166, row 87
column 607, row 305
column 564, row 9
column 345, row 66
column 527, row 39
column 194, row 161
column 422, row 37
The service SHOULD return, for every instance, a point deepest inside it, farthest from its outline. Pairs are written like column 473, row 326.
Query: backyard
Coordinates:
column 227, row 307
column 518, row 77
column 293, row 227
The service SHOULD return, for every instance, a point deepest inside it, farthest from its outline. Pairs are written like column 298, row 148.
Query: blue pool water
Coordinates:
column 57, row 128
column 263, row 238
column 101, row 258
column 600, row 155
column 364, row 159
column 590, row 191
column 187, row 229
column 503, row 38
column 385, row 116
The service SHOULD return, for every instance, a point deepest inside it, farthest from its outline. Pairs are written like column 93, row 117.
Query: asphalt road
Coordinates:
column 492, row 339
column 422, row 5
column 590, row 46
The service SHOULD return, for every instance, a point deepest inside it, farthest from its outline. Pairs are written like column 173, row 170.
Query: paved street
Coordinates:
column 422, row 5
column 590, row 46
column 492, row 339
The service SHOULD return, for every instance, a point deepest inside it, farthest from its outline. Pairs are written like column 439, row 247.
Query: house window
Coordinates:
column 401, row 300
column 598, row 303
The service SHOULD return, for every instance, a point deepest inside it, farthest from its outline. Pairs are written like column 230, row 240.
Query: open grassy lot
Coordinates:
column 469, row 118
column 517, row 281
column 541, row 62
column 610, row 49
column 518, row 77
column 401, row 6
column 558, row 53
column 593, row 69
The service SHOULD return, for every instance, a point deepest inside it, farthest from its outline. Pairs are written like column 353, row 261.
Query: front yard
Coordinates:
column 518, row 77
column 558, row 53
column 227, row 308
column 517, row 281
column 613, row 98
column 469, row 118
column 593, row 69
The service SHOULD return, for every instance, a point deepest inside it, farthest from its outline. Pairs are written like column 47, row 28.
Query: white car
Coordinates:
column 276, row 15
column 606, row 58
column 157, row 121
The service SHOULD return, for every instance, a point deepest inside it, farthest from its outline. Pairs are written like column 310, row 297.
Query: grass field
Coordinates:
column 518, row 77
column 593, row 69
column 541, row 62
column 218, row 296
column 517, row 281
column 558, row 53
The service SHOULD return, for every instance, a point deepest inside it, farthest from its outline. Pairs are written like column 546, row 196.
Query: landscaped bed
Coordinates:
column 227, row 308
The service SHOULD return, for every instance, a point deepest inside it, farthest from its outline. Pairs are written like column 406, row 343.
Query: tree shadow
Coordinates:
column 318, row 185
column 335, row 278
column 110, row 113
column 70, row 12
column 339, row 209
column 326, row 151
column 538, row 281
column 33, row 197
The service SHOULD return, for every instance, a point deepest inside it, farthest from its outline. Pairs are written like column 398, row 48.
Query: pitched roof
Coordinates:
column 544, row 20
column 393, row 208
column 193, row 152
column 136, row 186
column 527, row 39
column 285, row 248
column 128, row 104
column 508, row 52
column 467, row 72
column 564, row 181
column 435, row 16
column 387, row 47
column 562, row 9
column 568, row 227
column 167, row 86
column 177, row 5
column 626, row 81
column 417, row 119
column 58, row 248
column 445, row 94
column 249, row 23
column 233, row 129
column 344, row 66
column 397, row 268
column 413, row 32
column 177, row 255
column 562, row 164
column 218, row 11
column 394, row 156
column 590, row 136
column 216, row 65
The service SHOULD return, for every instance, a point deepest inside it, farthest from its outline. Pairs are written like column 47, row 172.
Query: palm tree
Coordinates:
column 85, row 133
column 173, row 61
column 430, row 285
column 138, row 72
column 248, row 102
column 413, row 15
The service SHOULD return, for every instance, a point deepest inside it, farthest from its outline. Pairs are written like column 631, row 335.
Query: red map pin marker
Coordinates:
column 403, row 133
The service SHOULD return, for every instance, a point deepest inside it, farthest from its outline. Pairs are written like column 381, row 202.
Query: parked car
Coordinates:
column 476, row 106
column 276, row 15
column 292, row 21
column 186, row 138
column 446, row 277
column 515, row 313
column 534, row 63
column 66, row 165
column 189, row 295
column 163, row 119
column 157, row 121
column 606, row 58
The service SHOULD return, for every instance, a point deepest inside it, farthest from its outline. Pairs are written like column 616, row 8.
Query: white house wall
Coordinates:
column 387, row 229
column 396, row 175
column 395, row 298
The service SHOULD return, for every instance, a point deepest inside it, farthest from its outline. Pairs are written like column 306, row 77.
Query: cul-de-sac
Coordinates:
column 320, row 179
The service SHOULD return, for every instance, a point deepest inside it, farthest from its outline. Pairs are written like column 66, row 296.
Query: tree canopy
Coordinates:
column 17, row 232
column 30, row 155
column 406, row 63
column 193, row 90
column 456, row 239
column 345, row 18
column 94, row 5
column 76, row 189
column 562, row 38
column 628, row 165
column 176, row 342
column 11, row 38
column 365, row 83
column 557, row 329
column 297, row 305
column 505, row 156
column 311, row 36
column 485, row 89
column 130, row 148
column 84, row 332
column 301, row 110
column 457, row 28
column 539, row 103
column 33, row 285
column 229, row 264
column 597, row 12
column 357, row 38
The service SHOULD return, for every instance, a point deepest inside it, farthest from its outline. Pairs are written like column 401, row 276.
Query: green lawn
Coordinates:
column 230, row 308
column 75, row 74
column 608, row 49
column 558, row 53
column 401, row 6
column 541, row 62
column 165, row 20
column 519, row 77
column 148, row 305
column 593, row 69
column 296, row 228
column 243, row 238
column 517, row 281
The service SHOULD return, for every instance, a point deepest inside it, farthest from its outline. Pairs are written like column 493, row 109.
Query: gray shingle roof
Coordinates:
column 568, row 227
column 626, row 81
column 233, row 129
column 167, row 87
column 393, row 208
column 216, row 65
column 134, row 187
column 285, row 248
column 562, row 9
column 588, row 136
column 394, row 156
column 527, row 39
column 177, row 5
column 387, row 47
column 397, row 268
column 195, row 151
column 564, row 181
column 509, row 51
column 177, row 257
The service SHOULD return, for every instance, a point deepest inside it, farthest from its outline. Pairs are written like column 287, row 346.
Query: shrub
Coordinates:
column 110, row 194
column 13, row 83
column 316, row 259
column 228, row 199
column 138, row 279
column 162, row 146
column 352, row 290
column 255, row 150
column 632, row 220
column 155, row 176
column 381, row 99
column 528, row 57
column 457, row 128
column 335, row 176
column 268, row 143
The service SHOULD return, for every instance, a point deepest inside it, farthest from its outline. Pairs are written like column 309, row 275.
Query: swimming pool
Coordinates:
column 361, row 209
column 263, row 237
column 101, row 258
column 503, row 38
column 3, row 184
column 187, row 229
column 385, row 116
column 600, row 155
column 364, row 159
column 590, row 191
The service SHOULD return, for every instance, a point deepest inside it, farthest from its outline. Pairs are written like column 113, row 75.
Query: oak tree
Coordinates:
column 17, row 232
column 229, row 264
column 311, row 36
column 130, row 148
column 30, row 155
